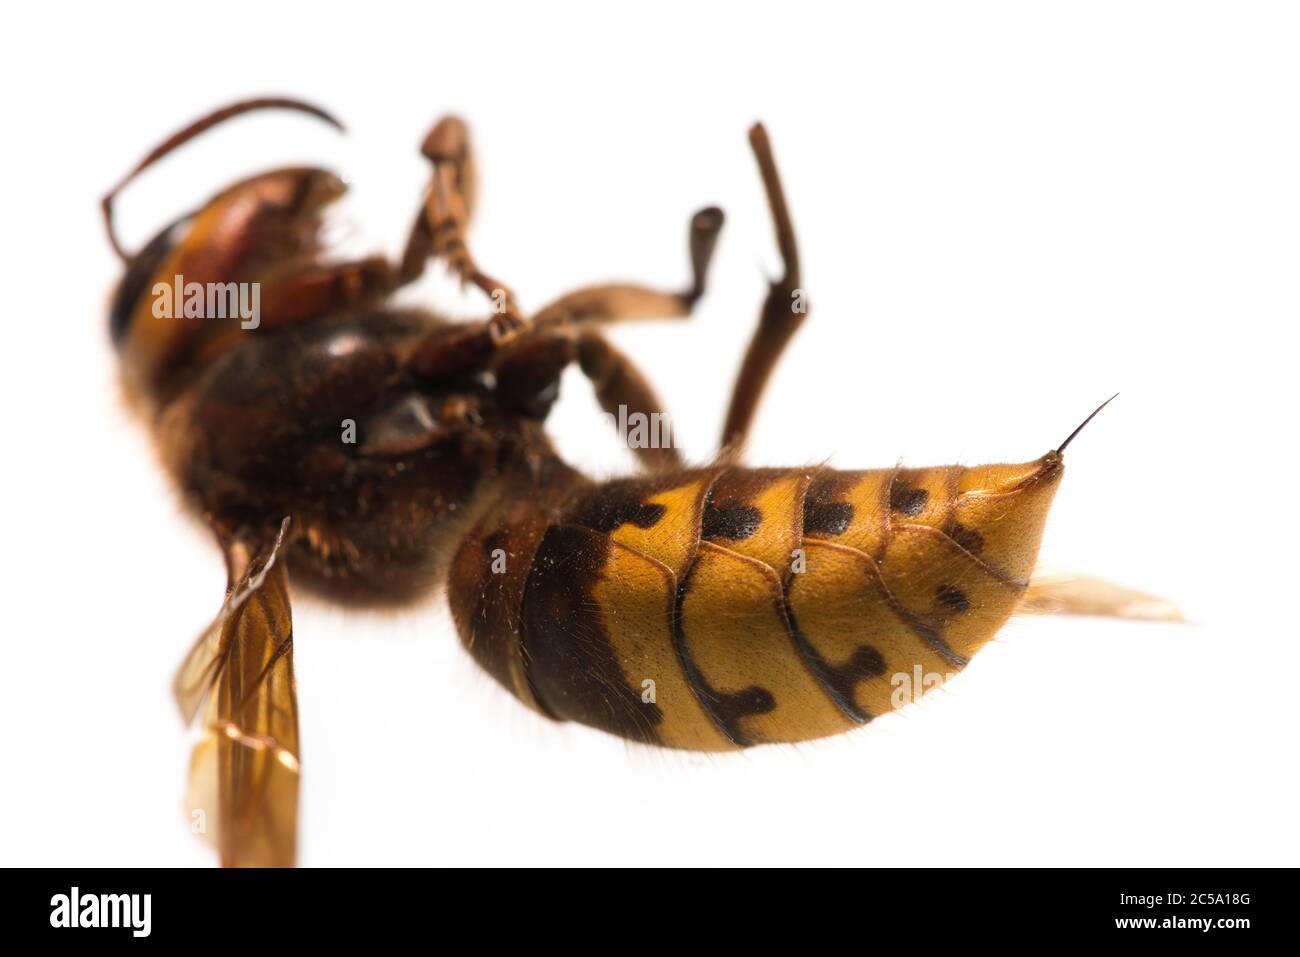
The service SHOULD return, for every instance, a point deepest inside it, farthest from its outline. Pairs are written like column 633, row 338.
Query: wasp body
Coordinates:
column 373, row 451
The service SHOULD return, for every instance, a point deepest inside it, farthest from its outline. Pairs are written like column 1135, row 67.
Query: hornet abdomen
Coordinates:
column 718, row 608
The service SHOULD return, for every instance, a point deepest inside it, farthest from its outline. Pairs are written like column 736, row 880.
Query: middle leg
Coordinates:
column 614, row 302
column 528, row 375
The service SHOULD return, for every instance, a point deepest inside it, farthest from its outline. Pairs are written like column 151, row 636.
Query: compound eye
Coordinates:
column 140, row 273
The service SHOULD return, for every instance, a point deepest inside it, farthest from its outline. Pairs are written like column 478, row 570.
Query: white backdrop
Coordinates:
column 1007, row 212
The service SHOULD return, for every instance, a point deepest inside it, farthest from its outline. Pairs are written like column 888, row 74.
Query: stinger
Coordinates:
column 1061, row 448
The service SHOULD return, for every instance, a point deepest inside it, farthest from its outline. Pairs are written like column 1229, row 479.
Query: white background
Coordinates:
column 1007, row 212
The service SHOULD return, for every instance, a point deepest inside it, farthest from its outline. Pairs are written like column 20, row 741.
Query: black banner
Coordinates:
column 205, row 907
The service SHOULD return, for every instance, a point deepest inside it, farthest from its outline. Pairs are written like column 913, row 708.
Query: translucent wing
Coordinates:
column 244, row 769
column 1080, row 595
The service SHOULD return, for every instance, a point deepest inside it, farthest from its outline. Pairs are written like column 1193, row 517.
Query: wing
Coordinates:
column 1080, row 595
column 244, row 769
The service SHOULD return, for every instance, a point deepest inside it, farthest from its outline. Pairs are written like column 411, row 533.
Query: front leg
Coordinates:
column 440, row 228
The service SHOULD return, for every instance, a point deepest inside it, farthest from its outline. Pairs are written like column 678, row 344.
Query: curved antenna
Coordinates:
column 196, row 128
column 1061, row 448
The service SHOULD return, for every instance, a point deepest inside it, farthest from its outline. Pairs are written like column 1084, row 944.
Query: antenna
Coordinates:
column 199, row 126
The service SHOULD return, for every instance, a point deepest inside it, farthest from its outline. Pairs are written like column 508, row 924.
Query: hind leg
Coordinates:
column 783, row 311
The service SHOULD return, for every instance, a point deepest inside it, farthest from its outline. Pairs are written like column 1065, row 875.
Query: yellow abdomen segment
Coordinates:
column 719, row 608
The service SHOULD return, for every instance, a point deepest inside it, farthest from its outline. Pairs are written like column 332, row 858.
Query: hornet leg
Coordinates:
column 783, row 311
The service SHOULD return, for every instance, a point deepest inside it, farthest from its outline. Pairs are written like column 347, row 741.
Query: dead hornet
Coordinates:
column 369, row 450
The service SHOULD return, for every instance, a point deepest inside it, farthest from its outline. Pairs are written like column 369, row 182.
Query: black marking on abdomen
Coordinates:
column 829, row 518
column 734, row 523
column 732, row 706
column 952, row 599
column 839, row 682
column 606, row 512
column 725, row 709
column 967, row 538
column 571, row 666
column 929, row 635
column 909, row 501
